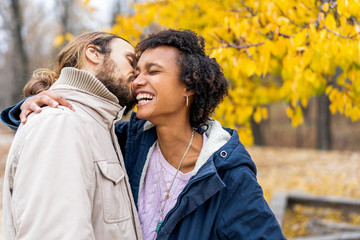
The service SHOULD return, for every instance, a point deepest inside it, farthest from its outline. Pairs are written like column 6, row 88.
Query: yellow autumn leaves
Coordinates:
column 275, row 50
column 62, row 38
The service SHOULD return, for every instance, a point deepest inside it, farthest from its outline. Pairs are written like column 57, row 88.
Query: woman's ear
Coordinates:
column 188, row 93
column 92, row 55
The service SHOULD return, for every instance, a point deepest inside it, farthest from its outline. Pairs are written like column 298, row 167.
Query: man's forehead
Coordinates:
column 122, row 45
column 130, row 53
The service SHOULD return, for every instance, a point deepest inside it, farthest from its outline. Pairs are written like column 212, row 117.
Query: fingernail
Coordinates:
column 54, row 104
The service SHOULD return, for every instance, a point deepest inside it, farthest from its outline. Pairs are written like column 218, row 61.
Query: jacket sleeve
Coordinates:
column 246, row 215
column 52, row 192
column 11, row 115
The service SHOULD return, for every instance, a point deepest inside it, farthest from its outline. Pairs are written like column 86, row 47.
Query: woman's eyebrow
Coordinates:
column 149, row 65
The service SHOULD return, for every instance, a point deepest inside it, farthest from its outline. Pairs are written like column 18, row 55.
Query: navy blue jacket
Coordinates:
column 222, row 201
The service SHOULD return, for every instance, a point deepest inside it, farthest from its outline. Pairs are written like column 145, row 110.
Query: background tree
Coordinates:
column 31, row 33
column 5, row 65
column 19, row 57
column 73, row 18
column 274, row 50
column 277, row 51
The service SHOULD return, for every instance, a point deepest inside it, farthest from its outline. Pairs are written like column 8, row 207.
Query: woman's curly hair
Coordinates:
column 200, row 73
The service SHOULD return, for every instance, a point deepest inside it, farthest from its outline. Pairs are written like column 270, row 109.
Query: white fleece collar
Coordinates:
column 217, row 137
column 148, row 125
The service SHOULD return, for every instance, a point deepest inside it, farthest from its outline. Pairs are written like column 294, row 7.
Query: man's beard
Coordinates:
column 116, row 85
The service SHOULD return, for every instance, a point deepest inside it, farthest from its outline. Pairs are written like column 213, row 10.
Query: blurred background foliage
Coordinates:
column 298, row 59
column 271, row 51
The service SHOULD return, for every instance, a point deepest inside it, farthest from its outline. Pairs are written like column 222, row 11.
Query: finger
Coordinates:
column 61, row 100
column 33, row 107
column 46, row 100
column 23, row 115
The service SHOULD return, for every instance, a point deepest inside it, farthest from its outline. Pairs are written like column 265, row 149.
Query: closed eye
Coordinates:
column 132, row 61
column 153, row 72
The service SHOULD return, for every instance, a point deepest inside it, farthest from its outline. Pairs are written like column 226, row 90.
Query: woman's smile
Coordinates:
column 144, row 98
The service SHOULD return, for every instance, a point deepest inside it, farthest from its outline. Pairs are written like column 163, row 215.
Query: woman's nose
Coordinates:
column 138, row 81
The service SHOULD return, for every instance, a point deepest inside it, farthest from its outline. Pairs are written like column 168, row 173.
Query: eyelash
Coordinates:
column 153, row 72
column 132, row 62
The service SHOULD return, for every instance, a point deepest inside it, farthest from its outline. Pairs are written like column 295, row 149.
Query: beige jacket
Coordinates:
column 65, row 176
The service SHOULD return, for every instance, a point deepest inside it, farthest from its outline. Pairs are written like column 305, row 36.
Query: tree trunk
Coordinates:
column 299, row 137
column 63, row 7
column 20, row 58
column 116, row 11
column 258, row 137
column 301, row 132
column 323, row 123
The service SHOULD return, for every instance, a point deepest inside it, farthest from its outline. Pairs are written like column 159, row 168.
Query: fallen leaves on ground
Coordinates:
column 308, row 171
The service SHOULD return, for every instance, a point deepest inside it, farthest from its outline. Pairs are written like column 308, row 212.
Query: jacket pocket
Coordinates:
column 115, row 197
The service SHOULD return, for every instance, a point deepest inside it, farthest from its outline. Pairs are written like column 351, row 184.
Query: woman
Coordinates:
column 191, row 178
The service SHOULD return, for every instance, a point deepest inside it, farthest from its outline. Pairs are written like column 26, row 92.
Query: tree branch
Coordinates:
column 285, row 36
column 321, row 10
column 249, row 9
column 237, row 46
column 336, row 33
column 243, row 46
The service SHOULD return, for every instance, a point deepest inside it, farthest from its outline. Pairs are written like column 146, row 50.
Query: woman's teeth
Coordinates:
column 144, row 97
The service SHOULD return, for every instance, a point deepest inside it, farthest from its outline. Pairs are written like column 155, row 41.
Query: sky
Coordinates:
column 102, row 16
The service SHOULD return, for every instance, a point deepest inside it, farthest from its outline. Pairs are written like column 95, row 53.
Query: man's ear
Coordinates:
column 92, row 55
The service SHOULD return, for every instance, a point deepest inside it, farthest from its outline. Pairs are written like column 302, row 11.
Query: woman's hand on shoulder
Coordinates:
column 45, row 98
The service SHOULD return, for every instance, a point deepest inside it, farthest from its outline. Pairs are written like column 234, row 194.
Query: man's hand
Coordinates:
column 45, row 98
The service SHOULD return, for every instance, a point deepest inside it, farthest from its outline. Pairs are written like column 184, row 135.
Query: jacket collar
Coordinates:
column 85, row 81
column 217, row 137
column 81, row 87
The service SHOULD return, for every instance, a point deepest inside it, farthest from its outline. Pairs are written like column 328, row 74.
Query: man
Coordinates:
column 65, row 175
